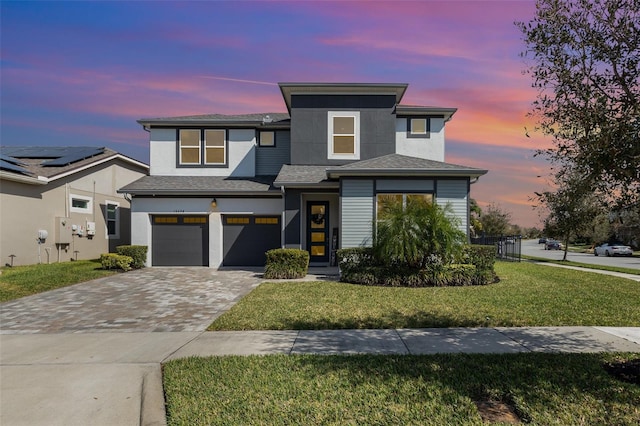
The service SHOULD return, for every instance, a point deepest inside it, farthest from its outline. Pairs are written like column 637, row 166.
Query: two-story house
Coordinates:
column 223, row 189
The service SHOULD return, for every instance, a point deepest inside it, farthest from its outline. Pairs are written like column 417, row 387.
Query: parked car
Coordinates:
column 615, row 249
column 553, row 245
column 542, row 240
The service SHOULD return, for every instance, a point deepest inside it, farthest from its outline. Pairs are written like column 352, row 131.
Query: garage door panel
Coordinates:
column 247, row 238
column 180, row 242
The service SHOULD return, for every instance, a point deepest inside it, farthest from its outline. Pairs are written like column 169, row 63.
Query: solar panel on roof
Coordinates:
column 5, row 165
column 73, row 155
column 11, row 160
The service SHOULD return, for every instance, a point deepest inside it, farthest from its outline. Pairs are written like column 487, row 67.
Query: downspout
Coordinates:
column 284, row 218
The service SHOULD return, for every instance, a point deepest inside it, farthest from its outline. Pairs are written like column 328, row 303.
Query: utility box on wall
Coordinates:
column 63, row 230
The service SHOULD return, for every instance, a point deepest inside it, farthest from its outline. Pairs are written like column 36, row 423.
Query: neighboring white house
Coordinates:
column 61, row 203
column 223, row 189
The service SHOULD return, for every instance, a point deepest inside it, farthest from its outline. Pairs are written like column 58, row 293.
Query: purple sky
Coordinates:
column 82, row 73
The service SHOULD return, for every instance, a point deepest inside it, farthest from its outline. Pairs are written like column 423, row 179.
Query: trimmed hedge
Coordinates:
column 137, row 253
column 115, row 261
column 286, row 263
column 358, row 266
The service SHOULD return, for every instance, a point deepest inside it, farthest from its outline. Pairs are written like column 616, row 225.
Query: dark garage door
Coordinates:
column 180, row 241
column 246, row 238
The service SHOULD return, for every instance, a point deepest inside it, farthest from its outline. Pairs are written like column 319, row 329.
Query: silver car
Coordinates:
column 607, row 249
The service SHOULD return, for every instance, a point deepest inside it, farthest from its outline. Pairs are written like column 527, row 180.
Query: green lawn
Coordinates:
column 585, row 265
column 527, row 295
column 542, row 389
column 21, row 281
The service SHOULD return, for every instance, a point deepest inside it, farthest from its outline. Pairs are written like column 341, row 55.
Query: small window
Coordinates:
column 197, row 219
column 189, row 146
column 237, row 221
column 165, row 219
column 267, row 139
column 266, row 220
column 419, row 127
column 344, row 135
column 112, row 214
column 80, row 204
column 215, row 147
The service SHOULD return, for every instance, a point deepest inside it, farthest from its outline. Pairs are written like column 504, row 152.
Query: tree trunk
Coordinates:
column 566, row 248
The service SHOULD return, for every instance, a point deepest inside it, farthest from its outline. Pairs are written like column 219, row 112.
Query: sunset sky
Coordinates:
column 82, row 73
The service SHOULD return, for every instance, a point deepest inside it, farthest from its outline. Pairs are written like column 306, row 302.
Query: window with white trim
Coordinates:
column 80, row 204
column 112, row 216
column 344, row 135
column 418, row 127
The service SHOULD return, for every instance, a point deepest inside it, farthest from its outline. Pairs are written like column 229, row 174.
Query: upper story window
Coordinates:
column 418, row 127
column 267, row 139
column 198, row 147
column 344, row 135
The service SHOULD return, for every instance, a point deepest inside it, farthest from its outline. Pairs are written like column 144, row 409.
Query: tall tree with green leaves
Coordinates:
column 584, row 60
column 571, row 208
column 495, row 221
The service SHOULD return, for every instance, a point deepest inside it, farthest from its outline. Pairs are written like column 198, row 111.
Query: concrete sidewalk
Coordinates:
column 115, row 378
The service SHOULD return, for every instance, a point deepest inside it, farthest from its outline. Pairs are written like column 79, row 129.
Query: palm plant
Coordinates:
column 416, row 234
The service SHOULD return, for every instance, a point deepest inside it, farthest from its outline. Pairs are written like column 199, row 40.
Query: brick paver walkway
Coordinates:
column 149, row 299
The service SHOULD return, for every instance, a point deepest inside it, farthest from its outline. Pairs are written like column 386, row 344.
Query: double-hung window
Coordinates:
column 112, row 211
column 344, row 135
column 199, row 147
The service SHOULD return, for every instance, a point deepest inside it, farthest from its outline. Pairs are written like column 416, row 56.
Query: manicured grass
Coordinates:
column 542, row 389
column 21, row 281
column 585, row 265
column 527, row 295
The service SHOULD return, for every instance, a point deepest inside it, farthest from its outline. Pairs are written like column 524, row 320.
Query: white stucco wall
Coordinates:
column 143, row 208
column 241, row 155
column 431, row 148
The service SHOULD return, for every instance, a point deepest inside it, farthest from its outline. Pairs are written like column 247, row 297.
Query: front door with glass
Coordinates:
column 318, row 231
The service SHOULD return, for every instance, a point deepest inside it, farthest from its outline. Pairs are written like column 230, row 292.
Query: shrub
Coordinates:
column 409, row 235
column 137, row 253
column 354, row 258
column 286, row 263
column 115, row 261
column 484, row 259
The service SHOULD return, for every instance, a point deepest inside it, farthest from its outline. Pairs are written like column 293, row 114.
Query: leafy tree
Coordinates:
column 474, row 218
column 495, row 221
column 416, row 234
column 571, row 208
column 585, row 63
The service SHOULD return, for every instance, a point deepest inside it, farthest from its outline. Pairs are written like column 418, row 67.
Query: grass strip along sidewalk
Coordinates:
column 527, row 295
column 20, row 281
column 534, row 388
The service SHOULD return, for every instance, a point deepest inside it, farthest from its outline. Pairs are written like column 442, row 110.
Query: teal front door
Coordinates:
column 318, row 231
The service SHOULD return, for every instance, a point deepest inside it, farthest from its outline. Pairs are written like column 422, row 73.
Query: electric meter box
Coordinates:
column 91, row 228
column 63, row 230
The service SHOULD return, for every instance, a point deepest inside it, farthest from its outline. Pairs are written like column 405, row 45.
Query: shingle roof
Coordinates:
column 266, row 118
column 50, row 162
column 205, row 185
column 302, row 175
column 396, row 164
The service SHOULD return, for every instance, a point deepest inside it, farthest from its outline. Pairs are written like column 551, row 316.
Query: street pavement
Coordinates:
column 91, row 354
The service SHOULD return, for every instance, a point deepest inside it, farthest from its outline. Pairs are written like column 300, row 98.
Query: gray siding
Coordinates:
column 404, row 185
column 455, row 192
column 269, row 160
column 309, row 126
column 292, row 217
column 356, row 206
